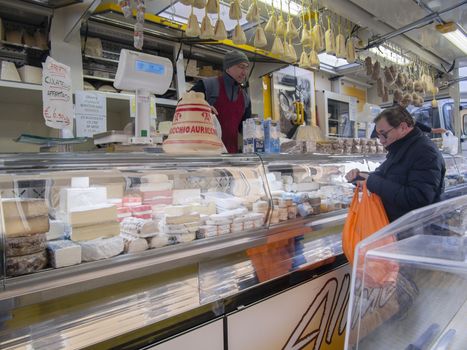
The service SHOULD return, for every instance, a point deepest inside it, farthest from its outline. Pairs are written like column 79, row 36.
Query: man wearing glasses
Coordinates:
column 412, row 175
column 228, row 97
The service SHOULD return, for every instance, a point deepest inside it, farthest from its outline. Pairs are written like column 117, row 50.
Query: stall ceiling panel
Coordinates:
column 398, row 13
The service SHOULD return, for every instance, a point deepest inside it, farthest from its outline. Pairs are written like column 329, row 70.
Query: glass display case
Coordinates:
column 409, row 282
column 146, row 240
column 153, row 237
column 66, row 211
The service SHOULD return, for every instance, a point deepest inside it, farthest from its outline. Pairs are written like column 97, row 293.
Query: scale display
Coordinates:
column 148, row 67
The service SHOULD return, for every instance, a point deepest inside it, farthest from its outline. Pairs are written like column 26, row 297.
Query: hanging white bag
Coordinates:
column 450, row 143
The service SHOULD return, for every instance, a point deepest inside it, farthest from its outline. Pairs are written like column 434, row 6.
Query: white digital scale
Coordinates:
column 145, row 74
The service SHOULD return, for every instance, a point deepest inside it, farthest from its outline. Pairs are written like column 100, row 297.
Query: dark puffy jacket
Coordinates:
column 411, row 177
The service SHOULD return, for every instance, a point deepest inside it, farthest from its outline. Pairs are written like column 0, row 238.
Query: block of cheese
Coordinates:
column 177, row 210
column 156, row 186
column 40, row 39
column 182, row 238
column 14, row 36
column 141, row 211
column 30, row 74
column 63, row 253
column 186, row 196
column 56, row 230
column 34, row 243
column 28, row 39
column 80, row 181
column 205, row 209
column 158, row 241
column 193, row 129
column 85, row 216
column 129, row 201
column 9, row 72
column 20, row 265
column 122, row 213
column 158, row 201
column 134, row 244
column 90, row 232
column 18, row 208
column 15, row 227
column 150, row 195
column 173, row 220
column 80, row 198
column 305, row 186
column 101, row 248
column 139, row 227
column 154, row 178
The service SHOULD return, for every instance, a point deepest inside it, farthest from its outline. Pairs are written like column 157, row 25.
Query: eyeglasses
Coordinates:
column 384, row 134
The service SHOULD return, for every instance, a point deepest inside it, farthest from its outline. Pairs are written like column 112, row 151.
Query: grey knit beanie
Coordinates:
column 234, row 57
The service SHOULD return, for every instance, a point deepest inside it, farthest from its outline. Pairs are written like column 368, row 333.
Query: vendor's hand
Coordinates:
column 438, row 130
column 214, row 110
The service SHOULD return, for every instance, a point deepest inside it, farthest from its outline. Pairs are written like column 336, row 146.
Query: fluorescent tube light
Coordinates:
column 390, row 55
column 457, row 38
column 451, row 32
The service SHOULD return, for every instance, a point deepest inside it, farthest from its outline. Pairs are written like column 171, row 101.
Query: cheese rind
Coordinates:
column 139, row 227
column 134, row 244
column 15, row 246
column 159, row 241
column 20, row 265
column 63, row 253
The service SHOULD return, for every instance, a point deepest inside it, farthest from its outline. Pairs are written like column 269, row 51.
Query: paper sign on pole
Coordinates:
column 90, row 113
column 57, row 95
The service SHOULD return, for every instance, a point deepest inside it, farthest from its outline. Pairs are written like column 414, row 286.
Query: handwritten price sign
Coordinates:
column 56, row 95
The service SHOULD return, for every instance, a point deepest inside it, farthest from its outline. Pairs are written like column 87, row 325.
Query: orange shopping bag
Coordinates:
column 365, row 217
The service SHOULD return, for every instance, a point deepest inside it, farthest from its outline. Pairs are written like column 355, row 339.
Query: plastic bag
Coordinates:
column 365, row 217
column 450, row 143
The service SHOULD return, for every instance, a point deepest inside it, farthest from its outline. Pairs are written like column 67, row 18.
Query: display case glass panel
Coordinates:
column 310, row 184
column 409, row 282
column 68, row 210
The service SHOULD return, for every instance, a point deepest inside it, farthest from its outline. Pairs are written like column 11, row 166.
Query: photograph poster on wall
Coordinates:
column 290, row 85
